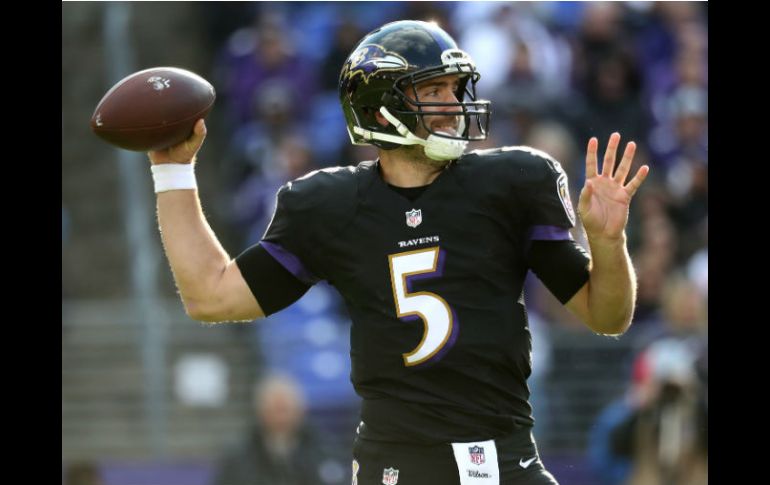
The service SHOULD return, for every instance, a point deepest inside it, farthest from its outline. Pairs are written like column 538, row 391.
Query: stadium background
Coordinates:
column 149, row 396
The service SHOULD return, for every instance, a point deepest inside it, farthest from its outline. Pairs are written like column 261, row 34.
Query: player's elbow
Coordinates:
column 199, row 311
column 610, row 326
column 205, row 317
column 218, row 310
column 203, row 310
column 606, row 319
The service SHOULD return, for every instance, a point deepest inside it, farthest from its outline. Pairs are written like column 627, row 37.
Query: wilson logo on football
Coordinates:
column 159, row 83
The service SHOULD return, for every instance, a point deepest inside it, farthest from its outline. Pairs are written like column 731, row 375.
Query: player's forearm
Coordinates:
column 197, row 258
column 612, row 287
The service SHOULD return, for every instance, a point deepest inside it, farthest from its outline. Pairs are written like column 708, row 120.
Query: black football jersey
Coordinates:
column 440, row 346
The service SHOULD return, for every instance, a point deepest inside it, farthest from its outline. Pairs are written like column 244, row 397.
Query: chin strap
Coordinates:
column 436, row 147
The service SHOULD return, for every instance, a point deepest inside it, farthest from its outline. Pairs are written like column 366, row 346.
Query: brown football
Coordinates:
column 152, row 109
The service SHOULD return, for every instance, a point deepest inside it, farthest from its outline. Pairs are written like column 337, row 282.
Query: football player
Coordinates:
column 429, row 246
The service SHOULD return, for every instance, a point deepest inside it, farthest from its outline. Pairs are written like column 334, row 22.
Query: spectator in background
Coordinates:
column 653, row 240
column 525, row 100
column 672, row 30
column 607, row 77
column 610, row 465
column 612, row 97
column 657, row 433
column 221, row 19
column 253, row 201
column 676, row 86
column 346, row 37
column 684, row 314
column 509, row 43
column 280, row 449
column 666, row 434
column 258, row 57
column 263, row 155
column 681, row 138
column 252, row 148
column 686, row 164
column 487, row 38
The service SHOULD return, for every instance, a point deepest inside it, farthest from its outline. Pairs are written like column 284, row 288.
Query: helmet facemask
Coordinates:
column 473, row 115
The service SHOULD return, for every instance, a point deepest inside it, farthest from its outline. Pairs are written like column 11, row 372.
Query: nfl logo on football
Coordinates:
column 390, row 476
column 477, row 455
column 414, row 217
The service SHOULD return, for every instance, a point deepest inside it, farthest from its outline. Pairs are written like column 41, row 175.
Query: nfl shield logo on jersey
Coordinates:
column 477, row 455
column 414, row 217
column 390, row 476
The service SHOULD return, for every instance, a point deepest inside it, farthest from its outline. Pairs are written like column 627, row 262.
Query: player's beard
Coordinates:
column 416, row 153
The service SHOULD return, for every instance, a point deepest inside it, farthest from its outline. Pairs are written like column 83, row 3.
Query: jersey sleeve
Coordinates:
column 557, row 260
column 550, row 210
column 293, row 253
column 562, row 266
column 281, row 268
column 309, row 214
column 289, row 237
column 272, row 284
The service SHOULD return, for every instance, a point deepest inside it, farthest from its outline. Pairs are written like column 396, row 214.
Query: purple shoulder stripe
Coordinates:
column 291, row 262
column 549, row 233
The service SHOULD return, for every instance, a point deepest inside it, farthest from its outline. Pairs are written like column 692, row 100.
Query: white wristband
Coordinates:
column 173, row 176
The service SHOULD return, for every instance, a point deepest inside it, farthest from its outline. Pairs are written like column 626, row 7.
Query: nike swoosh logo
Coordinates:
column 525, row 464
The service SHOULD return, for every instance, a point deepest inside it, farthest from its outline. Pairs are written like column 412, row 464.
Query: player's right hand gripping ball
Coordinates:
column 153, row 109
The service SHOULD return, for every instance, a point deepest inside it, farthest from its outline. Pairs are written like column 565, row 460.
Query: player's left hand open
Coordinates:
column 605, row 198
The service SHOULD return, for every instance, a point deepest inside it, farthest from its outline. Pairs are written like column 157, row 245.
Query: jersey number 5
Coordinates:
column 431, row 308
